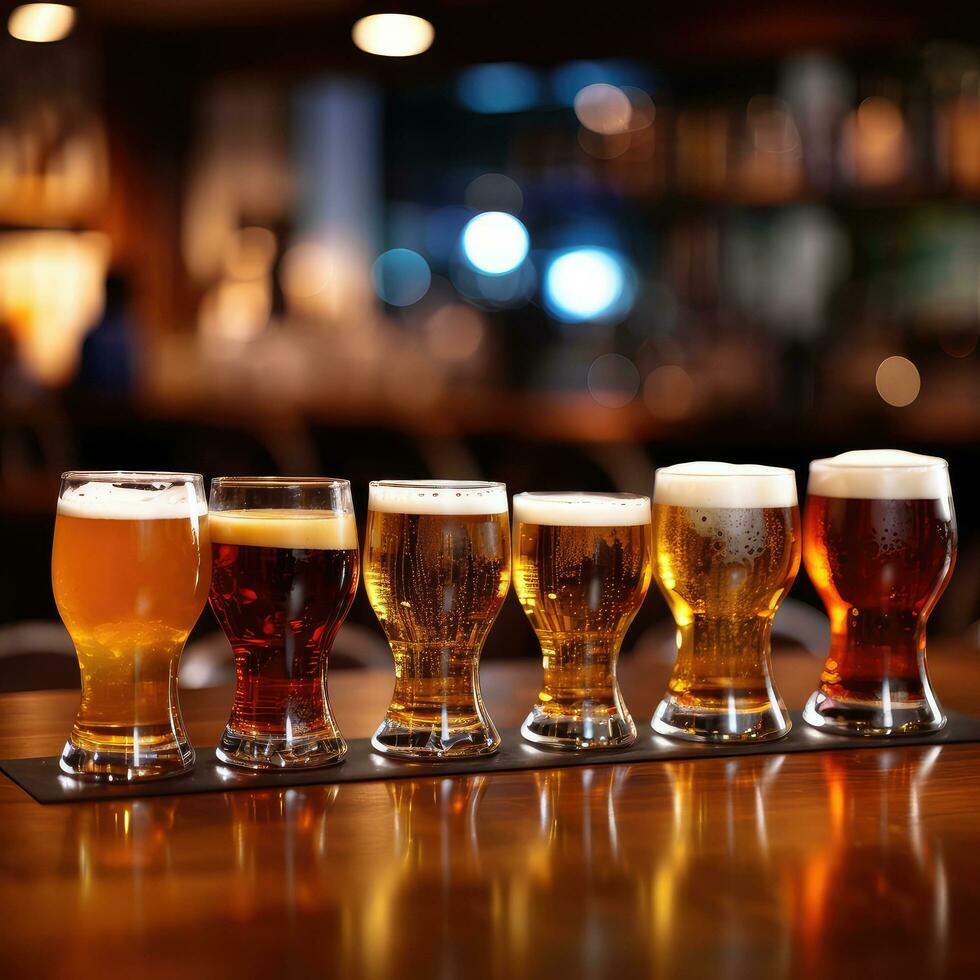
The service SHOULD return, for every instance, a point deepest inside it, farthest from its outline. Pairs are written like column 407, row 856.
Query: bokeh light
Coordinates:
column 669, row 392
column 569, row 79
column 507, row 291
column 249, row 253
column 897, row 380
column 613, row 380
column 236, row 310
column 587, row 283
column 494, row 192
column 325, row 280
column 454, row 332
column 501, row 87
column 642, row 110
column 304, row 270
column 401, row 277
column 495, row 243
column 604, row 109
column 41, row 22
column 393, row 35
column 603, row 147
column 443, row 228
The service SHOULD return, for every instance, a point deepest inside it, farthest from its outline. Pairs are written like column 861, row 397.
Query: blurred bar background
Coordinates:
column 564, row 244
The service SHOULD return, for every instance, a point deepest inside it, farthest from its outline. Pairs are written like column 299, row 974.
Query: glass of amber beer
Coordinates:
column 727, row 551
column 285, row 573
column 130, row 570
column 582, row 567
column 879, row 543
column 437, row 570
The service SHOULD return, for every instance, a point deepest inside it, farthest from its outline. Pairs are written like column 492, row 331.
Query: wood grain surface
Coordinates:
column 837, row 864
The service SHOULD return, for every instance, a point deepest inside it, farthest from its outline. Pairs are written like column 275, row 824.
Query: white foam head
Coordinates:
column 706, row 484
column 437, row 497
column 880, row 474
column 159, row 498
column 582, row 509
column 309, row 530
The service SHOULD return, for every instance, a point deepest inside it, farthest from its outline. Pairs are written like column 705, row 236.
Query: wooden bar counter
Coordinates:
column 861, row 863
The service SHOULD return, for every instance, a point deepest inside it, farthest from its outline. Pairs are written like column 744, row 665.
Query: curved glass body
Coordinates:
column 130, row 569
column 582, row 568
column 437, row 570
column 727, row 551
column 285, row 573
column 879, row 545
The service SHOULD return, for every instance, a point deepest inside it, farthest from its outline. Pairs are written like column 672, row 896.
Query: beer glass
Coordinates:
column 879, row 544
column 130, row 569
column 285, row 573
column 727, row 551
column 582, row 567
column 437, row 569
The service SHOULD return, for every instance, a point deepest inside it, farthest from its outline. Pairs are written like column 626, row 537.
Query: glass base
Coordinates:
column 274, row 752
column 587, row 730
column 398, row 741
column 115, row 764
column 716, row 725
column 839, row 716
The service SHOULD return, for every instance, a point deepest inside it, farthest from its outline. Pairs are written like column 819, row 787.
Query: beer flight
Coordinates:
column 137, row 555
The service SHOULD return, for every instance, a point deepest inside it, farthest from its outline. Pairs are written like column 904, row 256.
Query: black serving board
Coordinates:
column 42, row 779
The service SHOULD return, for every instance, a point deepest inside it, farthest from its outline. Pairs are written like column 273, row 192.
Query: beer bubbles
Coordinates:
column 495, row 243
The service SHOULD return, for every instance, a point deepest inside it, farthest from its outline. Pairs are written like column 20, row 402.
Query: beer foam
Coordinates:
column 705, row 484
column 582, row 509
column 314, row 530
column 437, row 497
column 880, row 474
column 115, row 501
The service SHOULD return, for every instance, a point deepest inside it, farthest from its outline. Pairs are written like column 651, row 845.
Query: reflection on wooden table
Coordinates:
column 844, row 863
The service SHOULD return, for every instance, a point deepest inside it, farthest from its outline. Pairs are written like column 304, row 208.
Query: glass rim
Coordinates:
column 829, row 463
column 440, row 484
column 603, row 494
column 131, row 476
column 278, row 482
column 771, row 473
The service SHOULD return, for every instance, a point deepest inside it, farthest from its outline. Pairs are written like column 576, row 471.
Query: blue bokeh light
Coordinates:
column 495, row 243
column 588, row 283
column 401, row 277
column 569, row 79
column 501, row 87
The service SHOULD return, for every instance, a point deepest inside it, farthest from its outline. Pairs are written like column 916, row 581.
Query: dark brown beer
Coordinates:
column 282, row 586
column 879, row 545
column 879, row 566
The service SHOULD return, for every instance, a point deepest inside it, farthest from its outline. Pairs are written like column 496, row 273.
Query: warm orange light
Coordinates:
column 897, row 380
column 669, row 392
column 41, row 22
column 393, row 35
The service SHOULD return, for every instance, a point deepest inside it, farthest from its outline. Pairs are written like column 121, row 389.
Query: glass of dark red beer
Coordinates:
column 879, row 541
column 285, row 570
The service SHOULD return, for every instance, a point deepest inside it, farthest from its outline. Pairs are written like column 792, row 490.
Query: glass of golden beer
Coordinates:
column 130, row 571
column 437, row 569
column 285, row 564
column 727, row 544
column 879, row 544
column 582, row 567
